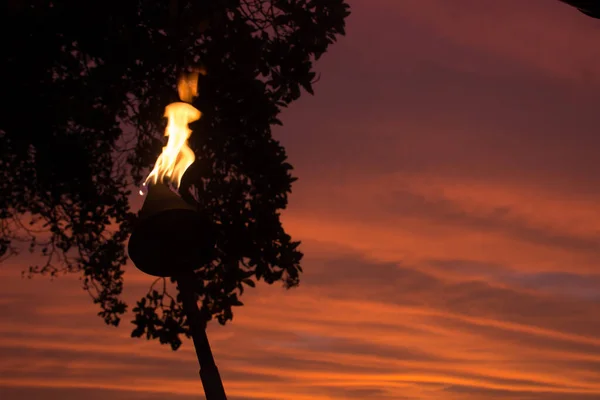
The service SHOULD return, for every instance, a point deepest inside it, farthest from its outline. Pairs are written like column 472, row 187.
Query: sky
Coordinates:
column 449, row 213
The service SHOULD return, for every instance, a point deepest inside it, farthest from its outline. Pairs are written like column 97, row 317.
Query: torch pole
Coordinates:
column 209, row 373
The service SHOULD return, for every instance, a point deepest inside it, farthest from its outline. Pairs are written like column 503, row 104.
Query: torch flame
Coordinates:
column 187, row 86
column 177, row 156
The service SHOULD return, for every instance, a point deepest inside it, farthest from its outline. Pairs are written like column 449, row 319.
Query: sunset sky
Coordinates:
column 449, row 209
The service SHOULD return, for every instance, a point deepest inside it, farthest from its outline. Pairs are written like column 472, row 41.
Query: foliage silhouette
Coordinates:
column 88, row 83
column 587, row 7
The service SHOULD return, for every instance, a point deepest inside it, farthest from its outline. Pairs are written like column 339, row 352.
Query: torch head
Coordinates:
column 171, row 237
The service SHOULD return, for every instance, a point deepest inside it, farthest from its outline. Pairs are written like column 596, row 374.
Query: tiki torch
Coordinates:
column 172, row 238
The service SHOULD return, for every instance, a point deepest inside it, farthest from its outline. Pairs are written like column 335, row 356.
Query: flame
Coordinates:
column 177, row 156
column 187, row 87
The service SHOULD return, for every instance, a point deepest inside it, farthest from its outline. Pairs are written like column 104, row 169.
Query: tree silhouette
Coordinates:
column 87, row 84
column 590, row 8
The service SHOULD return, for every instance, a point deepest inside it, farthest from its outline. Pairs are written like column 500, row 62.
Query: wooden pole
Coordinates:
column 209, row 373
